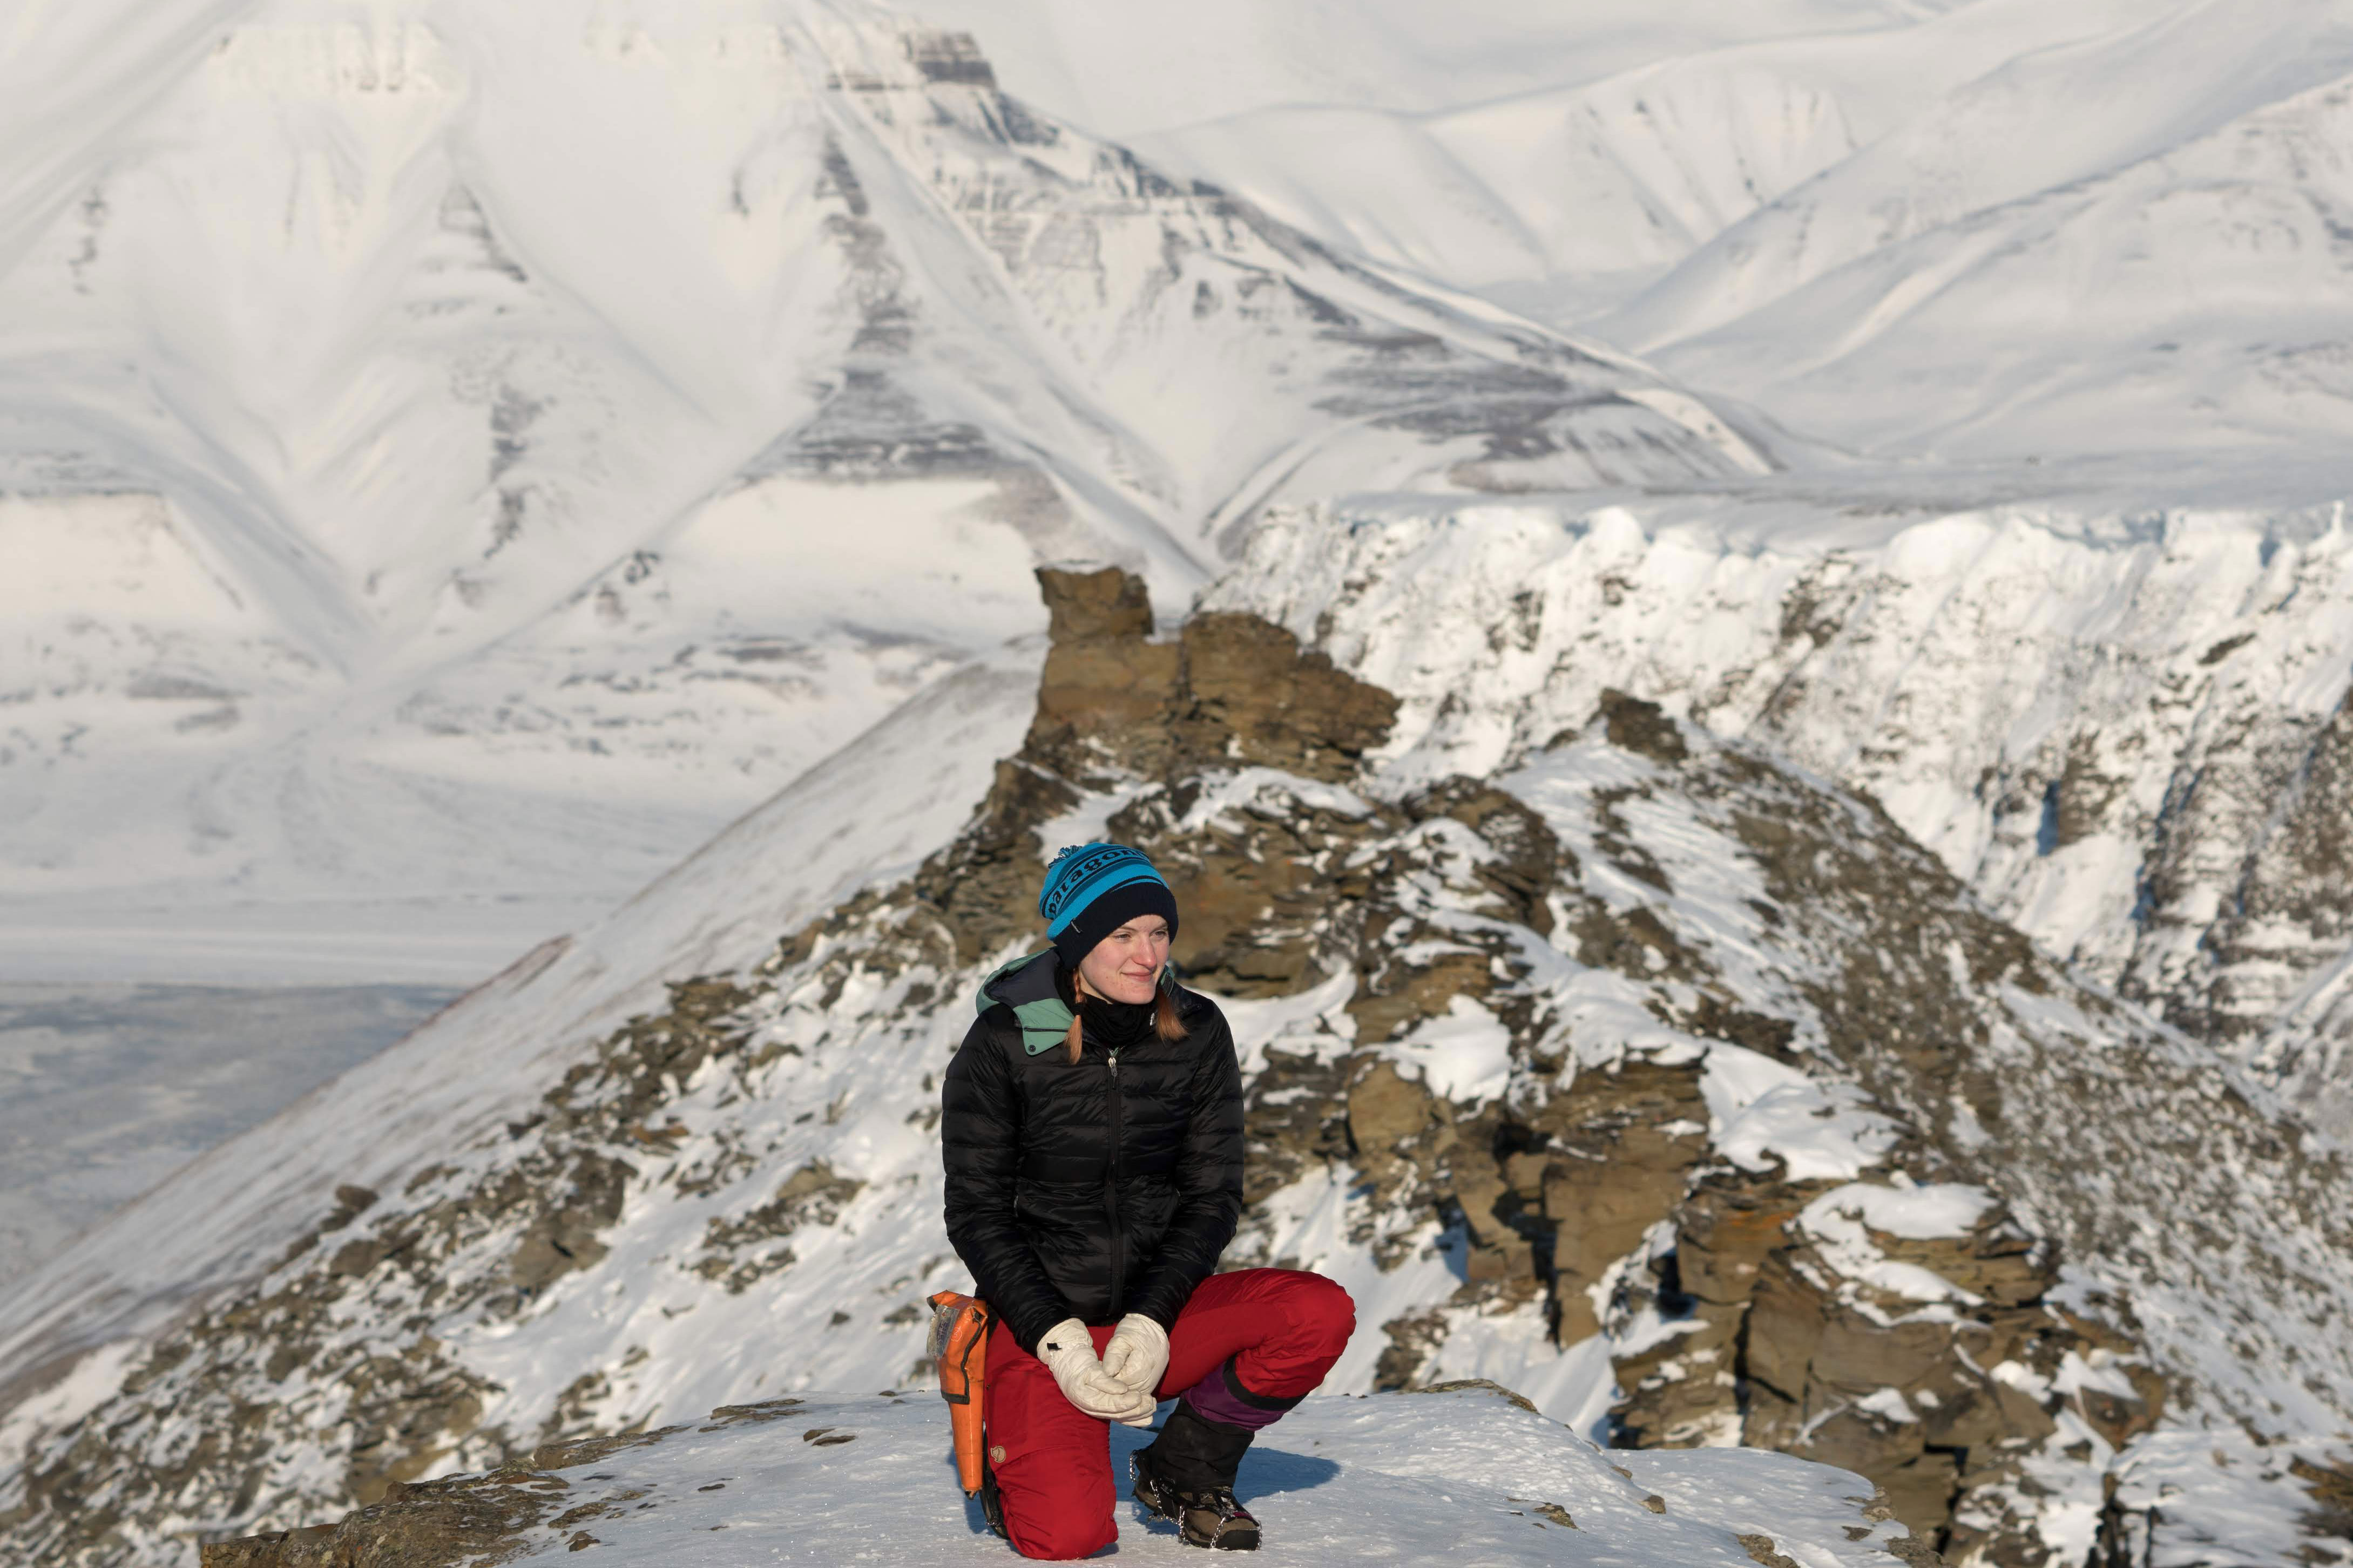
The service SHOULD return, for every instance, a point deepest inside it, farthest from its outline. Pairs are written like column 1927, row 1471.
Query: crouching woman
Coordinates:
column 1092, row 1124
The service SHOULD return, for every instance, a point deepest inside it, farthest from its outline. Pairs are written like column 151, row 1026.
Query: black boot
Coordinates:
column 1187, row 1474
column 992, row 1502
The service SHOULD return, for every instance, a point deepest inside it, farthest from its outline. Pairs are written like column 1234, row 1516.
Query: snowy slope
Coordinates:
column 2116, row 730
column 1418, row 1480
column 1643, row 954
column 470, row 456
column 1996, row 229
column 881, row 803
column 2010, row 272
column 483, row 434
column 1156, row 65
column 1568, row 194
column 474, row 430
column 110, row 1090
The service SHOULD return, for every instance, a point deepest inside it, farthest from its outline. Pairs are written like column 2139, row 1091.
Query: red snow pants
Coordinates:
column 1283, row 1328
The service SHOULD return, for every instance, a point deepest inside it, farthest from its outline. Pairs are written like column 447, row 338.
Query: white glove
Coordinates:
column 1069, row 1354
column 1138, row 1354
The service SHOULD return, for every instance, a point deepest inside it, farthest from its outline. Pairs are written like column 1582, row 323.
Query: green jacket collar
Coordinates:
column 1030, row 986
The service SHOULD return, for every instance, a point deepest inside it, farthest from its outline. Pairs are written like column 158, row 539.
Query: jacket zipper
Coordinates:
column 1111, row 1197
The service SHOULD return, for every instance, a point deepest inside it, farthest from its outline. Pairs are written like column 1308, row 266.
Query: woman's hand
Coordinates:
column 1069, row 1354
column 1138, row 1354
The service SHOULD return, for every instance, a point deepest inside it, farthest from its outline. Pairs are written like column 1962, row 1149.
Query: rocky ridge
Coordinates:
column 1649, row 1057
column 2126, row 732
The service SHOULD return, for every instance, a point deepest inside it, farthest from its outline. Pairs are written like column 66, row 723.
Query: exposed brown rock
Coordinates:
column 1817, row 1360
column 814, row 1195
column 2328, row 1482
column 1483, row 1385
column 565, row 1235
column 1640, row 727
column 1258, row 883
column 1252, row 695
column 1412, row 1339
column 1623, row 1143
column 457, row 1523
column 1383, row 1110
column 1107, row 690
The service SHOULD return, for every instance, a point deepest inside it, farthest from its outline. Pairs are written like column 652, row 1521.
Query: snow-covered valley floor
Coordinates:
column 106, row 1090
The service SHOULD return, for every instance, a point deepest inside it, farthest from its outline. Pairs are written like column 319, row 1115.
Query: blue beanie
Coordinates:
column 1092, row 890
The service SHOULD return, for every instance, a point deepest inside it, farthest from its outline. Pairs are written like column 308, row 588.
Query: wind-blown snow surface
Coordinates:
column 444, row 441
column 1417, row 1479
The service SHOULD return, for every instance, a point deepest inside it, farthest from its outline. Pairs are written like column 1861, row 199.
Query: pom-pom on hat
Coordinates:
column 1092, row 890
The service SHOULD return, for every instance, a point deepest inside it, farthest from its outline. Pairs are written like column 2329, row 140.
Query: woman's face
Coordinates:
column 1125, row 966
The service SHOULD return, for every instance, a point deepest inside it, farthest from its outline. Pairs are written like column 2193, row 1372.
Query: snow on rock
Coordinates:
column 2034, row 1230
column 2124, row 731
column 1841, row 1222
column 1427, row 1478
column 1464, row 1055
column 870, row 811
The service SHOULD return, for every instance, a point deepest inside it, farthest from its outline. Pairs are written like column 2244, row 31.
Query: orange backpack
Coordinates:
column 959, row 1346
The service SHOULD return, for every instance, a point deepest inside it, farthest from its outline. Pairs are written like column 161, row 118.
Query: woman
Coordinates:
column 1093, row 1125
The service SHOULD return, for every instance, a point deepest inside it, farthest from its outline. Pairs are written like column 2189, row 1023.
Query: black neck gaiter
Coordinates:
column 1118, row 1025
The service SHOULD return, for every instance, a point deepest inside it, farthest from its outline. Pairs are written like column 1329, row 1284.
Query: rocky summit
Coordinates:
column 1672, row 1086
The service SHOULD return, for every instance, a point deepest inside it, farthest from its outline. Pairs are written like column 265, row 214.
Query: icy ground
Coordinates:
column 1425, row 1478
column 106, row 1090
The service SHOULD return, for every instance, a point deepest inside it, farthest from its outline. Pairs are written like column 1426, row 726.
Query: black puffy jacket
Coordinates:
column 1099, row 1188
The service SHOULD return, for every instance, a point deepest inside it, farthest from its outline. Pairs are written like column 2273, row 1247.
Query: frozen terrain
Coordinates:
column 1565, row 1072
column 1868, row 775
column 404, row 577
column 1993, row 230
column 462, row 458
column 106, row 1090
column 1449, row 1476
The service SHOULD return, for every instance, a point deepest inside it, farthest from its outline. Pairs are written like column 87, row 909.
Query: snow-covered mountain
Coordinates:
column 1674, row 1086
column 445, row 440
column 1745, row 929
column 2124, row 733
column 1995, row 229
